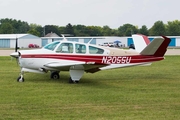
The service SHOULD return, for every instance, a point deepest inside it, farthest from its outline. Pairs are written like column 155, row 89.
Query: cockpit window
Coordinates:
column 95, row 50
column 65, row 48
column 51, row 46
column 80, row 48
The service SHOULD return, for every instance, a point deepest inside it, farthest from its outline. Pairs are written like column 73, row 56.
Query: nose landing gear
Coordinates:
column 20, row 78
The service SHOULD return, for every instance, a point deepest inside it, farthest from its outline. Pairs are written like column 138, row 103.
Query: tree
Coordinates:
column 6, row 28
column 144, row 30
column 158, row 29
column 36, row 29
column 62, row 29
column 40, row 29
column 127, row 30
column 69, row 29
column 51, row 28
column 23, row 27
column 173, row 28
column 106, row 31
column 12, row 26
column 114, row 32
column 34, row 32
column 18, row 26
column 94, row 30
column 80, row 30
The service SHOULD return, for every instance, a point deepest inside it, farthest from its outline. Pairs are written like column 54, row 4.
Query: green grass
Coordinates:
column 134, row 93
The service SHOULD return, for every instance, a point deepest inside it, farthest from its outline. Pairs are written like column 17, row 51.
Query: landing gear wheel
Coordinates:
column 20, row 79
column 76, row 81
column 71, row 81
column 55, row 75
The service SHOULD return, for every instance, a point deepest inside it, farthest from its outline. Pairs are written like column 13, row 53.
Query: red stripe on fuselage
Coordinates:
column 97, row 59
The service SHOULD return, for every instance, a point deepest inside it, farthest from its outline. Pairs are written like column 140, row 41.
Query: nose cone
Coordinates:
column 14, row 54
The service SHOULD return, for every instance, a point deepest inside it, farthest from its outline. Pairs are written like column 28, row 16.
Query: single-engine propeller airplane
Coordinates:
column 78, row 58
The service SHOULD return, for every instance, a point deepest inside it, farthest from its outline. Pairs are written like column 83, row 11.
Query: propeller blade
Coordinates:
column 16, row 45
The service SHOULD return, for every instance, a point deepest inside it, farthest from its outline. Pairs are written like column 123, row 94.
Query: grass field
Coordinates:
column 136, row 93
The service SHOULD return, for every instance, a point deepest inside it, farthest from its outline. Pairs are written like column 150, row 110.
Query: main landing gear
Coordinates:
column 72, row 81
column 54, row 75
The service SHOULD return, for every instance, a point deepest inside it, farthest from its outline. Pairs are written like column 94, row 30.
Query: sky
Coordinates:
column 113, row 13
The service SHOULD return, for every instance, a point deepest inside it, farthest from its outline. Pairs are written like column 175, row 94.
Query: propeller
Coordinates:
column 16, row 45
column 17, row 54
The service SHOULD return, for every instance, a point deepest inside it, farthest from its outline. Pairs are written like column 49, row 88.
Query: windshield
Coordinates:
column 51, row 46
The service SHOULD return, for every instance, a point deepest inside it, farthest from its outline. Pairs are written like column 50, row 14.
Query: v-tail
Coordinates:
column 157, row 47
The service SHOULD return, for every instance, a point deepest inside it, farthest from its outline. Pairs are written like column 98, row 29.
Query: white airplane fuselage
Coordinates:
column 78, row 58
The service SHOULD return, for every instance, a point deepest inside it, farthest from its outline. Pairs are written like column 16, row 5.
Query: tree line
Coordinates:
column 13, row 26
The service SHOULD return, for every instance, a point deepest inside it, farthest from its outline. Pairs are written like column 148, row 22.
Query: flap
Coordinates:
column 58, row 64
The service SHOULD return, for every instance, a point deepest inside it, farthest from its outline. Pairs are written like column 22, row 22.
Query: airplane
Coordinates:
column 78, row 58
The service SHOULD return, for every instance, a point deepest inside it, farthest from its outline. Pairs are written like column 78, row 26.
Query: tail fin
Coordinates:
column 157, row 47
column 140, row 42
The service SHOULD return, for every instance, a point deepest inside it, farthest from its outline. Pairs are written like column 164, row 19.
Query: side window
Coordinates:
column 80, row 48
column 65, row 48
column 95, row 50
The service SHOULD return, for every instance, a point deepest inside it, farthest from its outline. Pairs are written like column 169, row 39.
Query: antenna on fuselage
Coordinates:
column 90, row 40
column 64, row 38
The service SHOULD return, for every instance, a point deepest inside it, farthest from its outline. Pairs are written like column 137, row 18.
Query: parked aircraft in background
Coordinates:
column 78, row 58
column 116, row 43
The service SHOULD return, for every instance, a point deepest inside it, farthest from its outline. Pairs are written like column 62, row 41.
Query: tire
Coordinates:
column 76, row 81
column 19, row 79
column 55, row 75
column 71, row 81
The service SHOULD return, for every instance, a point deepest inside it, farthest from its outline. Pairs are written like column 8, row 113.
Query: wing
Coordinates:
column 59, row 64
column 88, row 67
